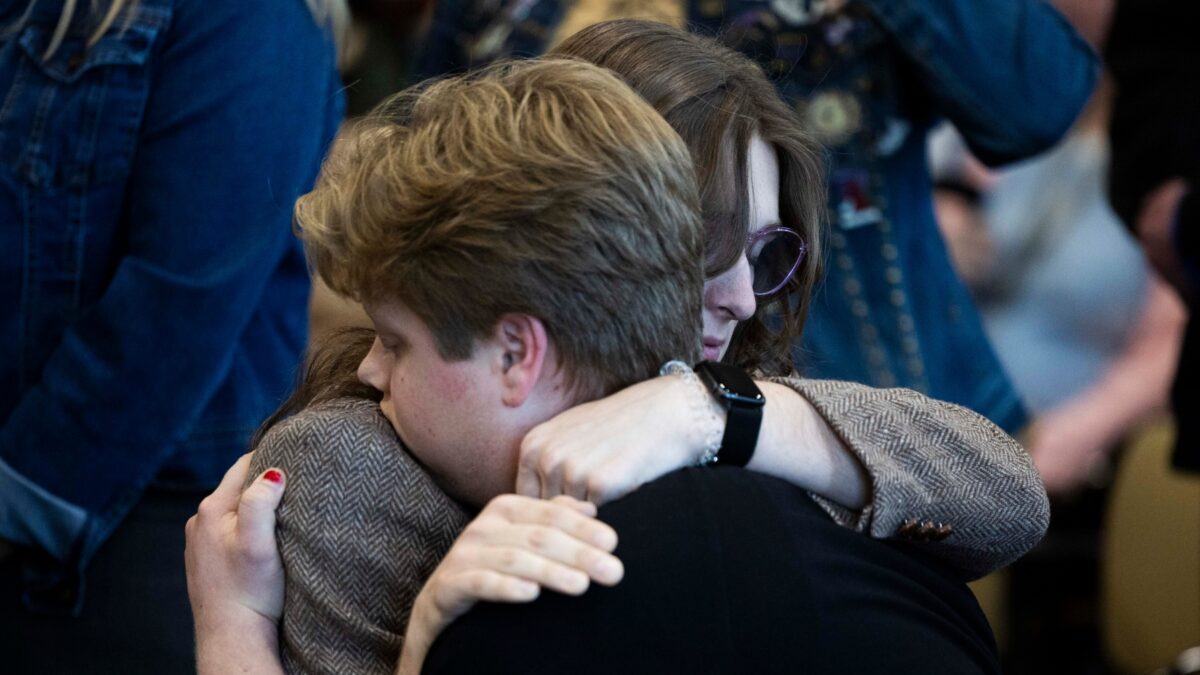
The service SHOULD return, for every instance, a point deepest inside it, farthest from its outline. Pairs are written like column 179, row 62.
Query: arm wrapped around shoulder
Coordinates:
column 361, row 527
column 936, row 469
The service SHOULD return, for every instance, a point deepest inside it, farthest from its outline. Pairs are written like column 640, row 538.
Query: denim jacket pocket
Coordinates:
column 69, row 125
column 71, row 120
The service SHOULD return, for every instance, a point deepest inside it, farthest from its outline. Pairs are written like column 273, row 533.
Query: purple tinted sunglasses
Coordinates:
column 775, row 253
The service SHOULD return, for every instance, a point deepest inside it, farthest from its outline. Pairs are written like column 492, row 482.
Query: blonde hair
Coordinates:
column 333, row 12
column 546, row 188
column 718, row 100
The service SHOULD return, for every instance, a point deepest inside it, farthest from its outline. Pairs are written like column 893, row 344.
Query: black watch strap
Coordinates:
column 737, row 393
column 741, row 435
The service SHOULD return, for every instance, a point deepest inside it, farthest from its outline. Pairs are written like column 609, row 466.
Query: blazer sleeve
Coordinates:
column 934, row 462
column 361, row 527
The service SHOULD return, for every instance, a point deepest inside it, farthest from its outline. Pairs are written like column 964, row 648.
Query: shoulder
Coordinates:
column 343, row 460
column 328, row 430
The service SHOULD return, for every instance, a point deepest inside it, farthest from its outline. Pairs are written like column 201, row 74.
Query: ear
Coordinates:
column 523, row 349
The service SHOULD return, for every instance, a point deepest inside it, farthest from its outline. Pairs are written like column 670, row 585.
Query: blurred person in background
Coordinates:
column 1154, row 57
column 1090, row 335
column 154, row 297
column 380, row 41
column 869, row 78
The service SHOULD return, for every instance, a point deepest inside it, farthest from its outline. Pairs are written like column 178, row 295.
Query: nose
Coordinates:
column 731, row 293
column 371, row 371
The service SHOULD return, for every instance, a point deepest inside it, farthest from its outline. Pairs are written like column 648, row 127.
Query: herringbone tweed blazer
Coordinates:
column 362, row 525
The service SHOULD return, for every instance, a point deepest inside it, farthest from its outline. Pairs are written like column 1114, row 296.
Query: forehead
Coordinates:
column 393, row 316
column 762, row 181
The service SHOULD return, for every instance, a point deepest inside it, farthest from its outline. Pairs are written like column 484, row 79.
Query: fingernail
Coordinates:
column 273, row 475
column 574, row 582
column 608, row 569
column 527, row 589
column 604, row 540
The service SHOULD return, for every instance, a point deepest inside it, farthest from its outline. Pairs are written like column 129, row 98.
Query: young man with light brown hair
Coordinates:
column 540, row 220
column 524, row 238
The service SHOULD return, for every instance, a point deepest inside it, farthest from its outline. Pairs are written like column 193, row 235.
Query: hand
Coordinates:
column 513, row 548
column 601, row 450
column 1068, row 450
column 1154, row 229
column 234, row 572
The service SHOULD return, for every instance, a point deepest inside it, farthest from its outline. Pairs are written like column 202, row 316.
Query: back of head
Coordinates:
column 717, row 100
column 546, row 188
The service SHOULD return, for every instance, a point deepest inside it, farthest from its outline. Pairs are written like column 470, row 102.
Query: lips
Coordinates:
column 712, row 348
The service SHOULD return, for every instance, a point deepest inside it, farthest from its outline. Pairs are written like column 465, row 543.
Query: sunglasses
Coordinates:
column 774, row 253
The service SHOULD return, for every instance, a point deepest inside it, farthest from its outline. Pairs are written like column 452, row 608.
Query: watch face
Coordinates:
column 730, row 383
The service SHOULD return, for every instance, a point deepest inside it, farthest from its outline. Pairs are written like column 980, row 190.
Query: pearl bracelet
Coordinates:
column 704, row 416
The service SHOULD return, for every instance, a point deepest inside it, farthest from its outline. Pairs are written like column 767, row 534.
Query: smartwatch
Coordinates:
column 738, row 394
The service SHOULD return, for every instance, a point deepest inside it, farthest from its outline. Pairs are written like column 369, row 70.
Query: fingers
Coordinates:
column 608, row 482
column 585, row 507
column 515, row 565
column 548, row 472
column 529, row 484
column 535, row 466
column 230, row 488
column 454, row 593
column 557, row 544
column 256, row 514
column 573, row 520
column 539, row 568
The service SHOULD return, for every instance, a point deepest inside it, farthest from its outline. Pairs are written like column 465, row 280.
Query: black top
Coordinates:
column 1154, row 59
column 729, row 571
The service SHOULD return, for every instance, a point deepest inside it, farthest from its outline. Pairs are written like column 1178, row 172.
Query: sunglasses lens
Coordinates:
column 778, row 258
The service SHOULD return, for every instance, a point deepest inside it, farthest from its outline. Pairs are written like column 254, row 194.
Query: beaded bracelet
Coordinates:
column 704, row 415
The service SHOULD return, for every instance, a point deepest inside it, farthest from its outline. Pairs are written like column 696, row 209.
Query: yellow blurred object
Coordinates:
column 584, row 13
column 328, row 311
column 1151, row 577
column 992, row 594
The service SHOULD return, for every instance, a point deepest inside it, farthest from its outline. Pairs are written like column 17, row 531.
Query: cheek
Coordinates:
column 429, row 403
column 453, row 384
column 711, row 291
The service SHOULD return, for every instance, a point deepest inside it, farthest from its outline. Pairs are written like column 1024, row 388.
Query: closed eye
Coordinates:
column 394, row 345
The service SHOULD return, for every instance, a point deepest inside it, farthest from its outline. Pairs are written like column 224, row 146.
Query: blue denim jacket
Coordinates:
column 154, row 298
column 869, row 77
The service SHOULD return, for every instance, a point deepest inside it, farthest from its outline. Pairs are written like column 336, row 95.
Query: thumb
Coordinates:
column 256, row 513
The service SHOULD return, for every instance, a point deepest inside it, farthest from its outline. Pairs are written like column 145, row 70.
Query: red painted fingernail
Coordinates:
column 273, row 476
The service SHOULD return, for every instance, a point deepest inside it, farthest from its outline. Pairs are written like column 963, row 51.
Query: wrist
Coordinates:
column 705, row 418
column 236, row 640
column 424, row 624
column 743, row 402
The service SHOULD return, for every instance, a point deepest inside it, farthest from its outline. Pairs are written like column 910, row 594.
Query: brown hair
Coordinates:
column 547, row 188
column 330, row 372
column 718, row 100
